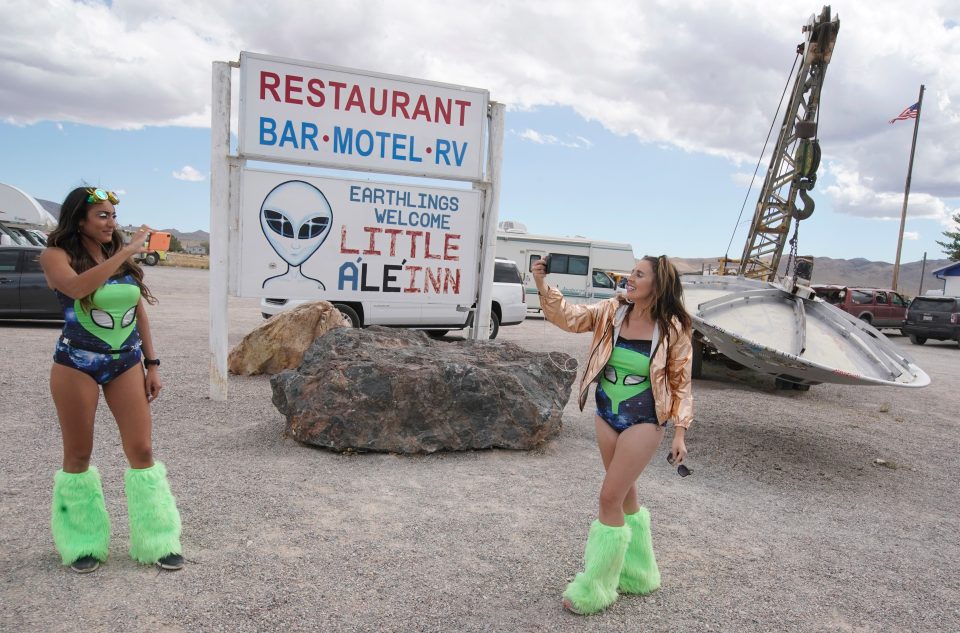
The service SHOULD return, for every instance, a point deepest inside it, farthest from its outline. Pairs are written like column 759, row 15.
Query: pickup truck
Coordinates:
column 880, row 307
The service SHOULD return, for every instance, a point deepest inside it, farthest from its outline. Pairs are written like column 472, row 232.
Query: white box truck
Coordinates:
column 579, row 266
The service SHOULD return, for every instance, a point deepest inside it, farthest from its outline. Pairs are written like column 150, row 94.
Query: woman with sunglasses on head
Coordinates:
column 641, row 361
column 106, row 335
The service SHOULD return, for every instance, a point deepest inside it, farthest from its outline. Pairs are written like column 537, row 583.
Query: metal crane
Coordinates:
column 792, row 172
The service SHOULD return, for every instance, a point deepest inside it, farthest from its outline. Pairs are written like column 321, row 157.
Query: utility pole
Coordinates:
column 923, row 271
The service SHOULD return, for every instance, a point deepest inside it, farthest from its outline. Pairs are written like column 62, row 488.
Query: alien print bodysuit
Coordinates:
column 102, row 342
column 623, row 394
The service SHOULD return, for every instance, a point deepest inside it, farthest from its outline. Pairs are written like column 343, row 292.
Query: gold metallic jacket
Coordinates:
column 670, row 365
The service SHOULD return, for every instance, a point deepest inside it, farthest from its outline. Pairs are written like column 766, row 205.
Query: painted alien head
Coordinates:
column 296, row 217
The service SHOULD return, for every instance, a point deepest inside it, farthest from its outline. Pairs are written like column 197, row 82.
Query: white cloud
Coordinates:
column 687, row 74
column 743, row 179
column 189, row 174
column 855, row 194
column 535, row 137
column 548, row 139
column 911, row 235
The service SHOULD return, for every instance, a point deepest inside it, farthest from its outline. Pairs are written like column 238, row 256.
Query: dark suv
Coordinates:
column 933, row 317
column 23, row 288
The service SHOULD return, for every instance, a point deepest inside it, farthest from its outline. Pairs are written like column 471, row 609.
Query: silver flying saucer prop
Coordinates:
column 786, row 331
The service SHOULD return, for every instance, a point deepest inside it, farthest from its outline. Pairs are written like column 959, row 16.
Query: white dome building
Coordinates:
column 18, row 208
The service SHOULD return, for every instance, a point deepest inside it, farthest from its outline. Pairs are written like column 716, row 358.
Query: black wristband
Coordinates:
column 151, row 361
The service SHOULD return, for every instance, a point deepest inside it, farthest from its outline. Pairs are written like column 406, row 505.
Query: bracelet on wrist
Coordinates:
column 151, row 362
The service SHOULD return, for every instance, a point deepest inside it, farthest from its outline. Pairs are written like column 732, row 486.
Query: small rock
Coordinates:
column 280, row 342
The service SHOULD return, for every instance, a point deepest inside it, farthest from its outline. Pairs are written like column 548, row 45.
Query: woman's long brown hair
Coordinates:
column 67, row 236
column 667, row 297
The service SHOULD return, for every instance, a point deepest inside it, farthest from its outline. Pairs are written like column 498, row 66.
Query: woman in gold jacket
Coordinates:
column 641, row 361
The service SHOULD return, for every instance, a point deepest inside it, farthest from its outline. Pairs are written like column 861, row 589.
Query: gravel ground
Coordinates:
column 787, row 524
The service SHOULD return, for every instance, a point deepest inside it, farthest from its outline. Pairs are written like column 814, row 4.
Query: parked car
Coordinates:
column 933, row 317
column 877, row 306
column 24, row 293
column 509, row 307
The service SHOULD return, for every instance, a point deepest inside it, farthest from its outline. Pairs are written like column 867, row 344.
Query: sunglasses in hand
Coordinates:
column 682, row 469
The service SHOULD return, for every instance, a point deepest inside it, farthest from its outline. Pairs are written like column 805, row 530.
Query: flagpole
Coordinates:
column 906, row 191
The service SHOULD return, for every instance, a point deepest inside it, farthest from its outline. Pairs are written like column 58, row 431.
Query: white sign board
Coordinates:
column 307, row 237
column 301, row 112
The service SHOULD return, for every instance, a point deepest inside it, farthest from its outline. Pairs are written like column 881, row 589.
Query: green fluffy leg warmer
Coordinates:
column 640, row 574
column 78, row 516
column 595, row 588
column 153, row 515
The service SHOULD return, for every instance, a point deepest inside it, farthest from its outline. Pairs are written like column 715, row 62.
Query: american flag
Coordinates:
column 909, row 113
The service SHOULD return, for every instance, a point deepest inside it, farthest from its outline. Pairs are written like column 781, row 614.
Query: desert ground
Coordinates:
column 788, row 523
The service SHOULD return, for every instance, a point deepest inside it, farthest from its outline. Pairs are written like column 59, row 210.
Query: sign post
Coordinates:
column 491, row 206
column 219, row 211
column 295, row 236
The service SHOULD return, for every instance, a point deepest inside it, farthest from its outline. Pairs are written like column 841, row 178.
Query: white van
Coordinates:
column 578, row 266
column 509, row 307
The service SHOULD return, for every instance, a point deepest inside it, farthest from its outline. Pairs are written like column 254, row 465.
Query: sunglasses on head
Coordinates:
column 682, row 469
column 100, row 195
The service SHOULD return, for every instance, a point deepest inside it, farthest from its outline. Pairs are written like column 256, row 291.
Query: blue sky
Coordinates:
column 649, row 140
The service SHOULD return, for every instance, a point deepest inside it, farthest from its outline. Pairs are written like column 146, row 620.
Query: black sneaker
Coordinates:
column 171, row 562
column 85, row 565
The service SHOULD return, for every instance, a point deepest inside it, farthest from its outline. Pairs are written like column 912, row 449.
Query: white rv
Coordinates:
column 578, row 266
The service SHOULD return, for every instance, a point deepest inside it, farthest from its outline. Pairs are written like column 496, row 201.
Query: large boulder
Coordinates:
column 396, row 390
column 279, row 343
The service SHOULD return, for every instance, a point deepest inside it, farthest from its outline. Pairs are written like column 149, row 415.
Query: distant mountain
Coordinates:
column 848, row 272
column 826, row 270
column 51, row 207
column 194, row 238
column 877, row 274
column 189, row 239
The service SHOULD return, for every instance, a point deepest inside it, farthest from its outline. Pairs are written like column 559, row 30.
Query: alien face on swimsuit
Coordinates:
column 114, row 313
column 295, row 217
column 631, row 384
